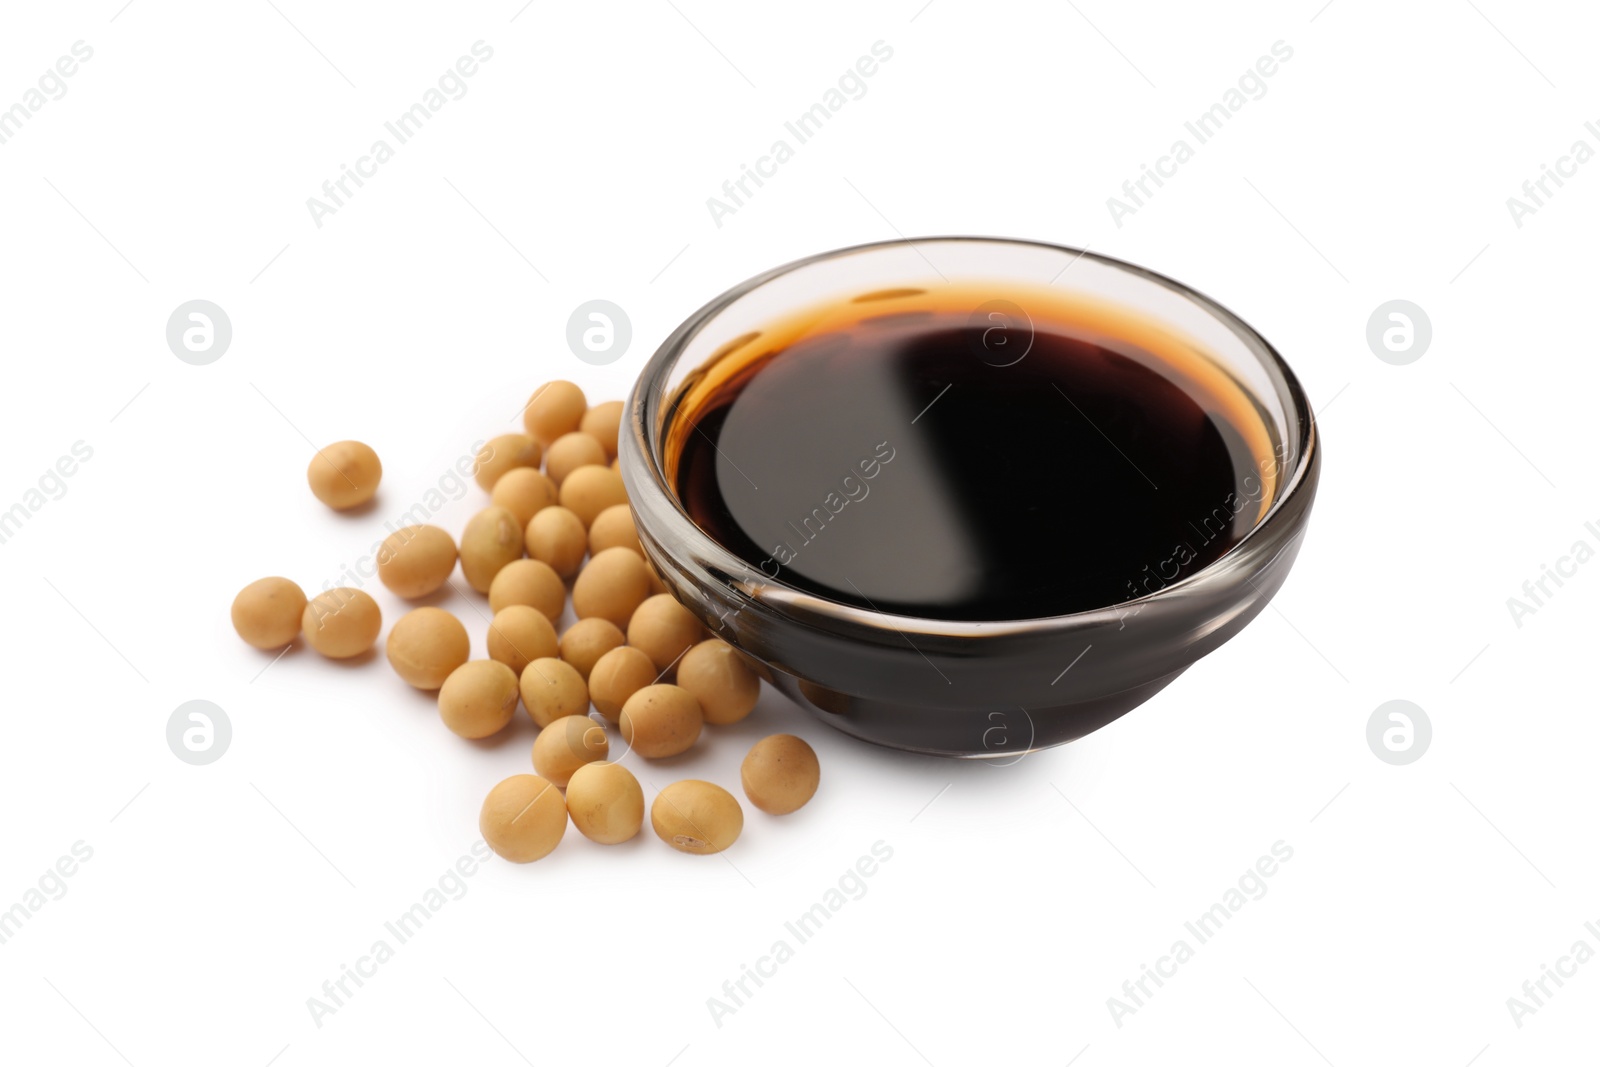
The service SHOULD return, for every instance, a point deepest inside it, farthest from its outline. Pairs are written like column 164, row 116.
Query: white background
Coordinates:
column 420, row 316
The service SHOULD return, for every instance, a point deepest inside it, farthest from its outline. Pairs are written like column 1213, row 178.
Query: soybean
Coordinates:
column 589, row 490
column 555, row 408
column 556, row 536
column 567, row 744
column 614, row 528
column 696, row 817
column 530, row 582
column 518, row 635
column 553, row 689
column 603, row 422
column 345, row 474
column 492, row 539
column 616, row 676
column 656, row 586
column 660, row 721
column 341, row 623
column 267, row 612
column 478, row 699
column 505, row 453
column 587, row 640
column 523, row 818
column 569, row 452
column 663, row 629
column 612, row 585
column 425, row 645
column 605, row 802
column 780, row 774
column 416, row 560
column 524, row 492
column 720, row 680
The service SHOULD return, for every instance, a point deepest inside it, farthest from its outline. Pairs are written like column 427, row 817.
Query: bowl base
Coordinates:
column 993, row 734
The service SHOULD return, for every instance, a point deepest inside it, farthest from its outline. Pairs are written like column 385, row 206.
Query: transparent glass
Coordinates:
column 990, row 689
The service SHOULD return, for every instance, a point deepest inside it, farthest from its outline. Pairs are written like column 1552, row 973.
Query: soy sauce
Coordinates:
column 944, row 456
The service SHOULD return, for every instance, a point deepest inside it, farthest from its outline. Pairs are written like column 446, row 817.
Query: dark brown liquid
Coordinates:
column 902, row 459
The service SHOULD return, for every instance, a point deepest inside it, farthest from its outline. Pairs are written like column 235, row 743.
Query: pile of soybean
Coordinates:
column 558, row 526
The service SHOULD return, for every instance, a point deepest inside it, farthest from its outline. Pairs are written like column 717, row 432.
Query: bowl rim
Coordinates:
column 640, row 457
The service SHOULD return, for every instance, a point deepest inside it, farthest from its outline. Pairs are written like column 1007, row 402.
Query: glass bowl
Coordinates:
column 991, row 689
